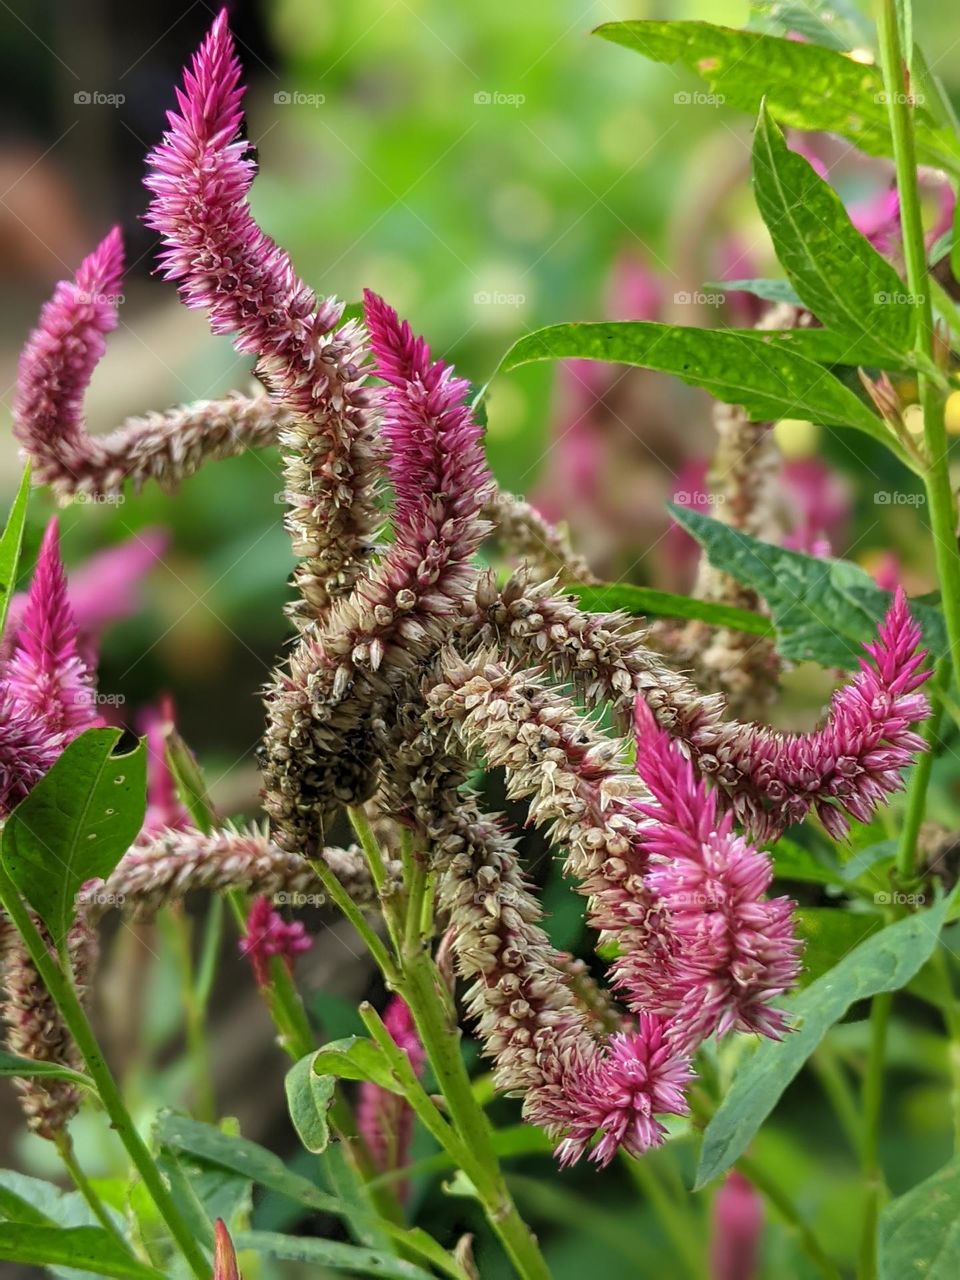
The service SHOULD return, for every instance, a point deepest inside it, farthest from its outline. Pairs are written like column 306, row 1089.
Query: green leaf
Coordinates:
column 27, row 1069
column 806, row 85
column 792, row 861
column 88, row 1247
column 249, row 1160
column 356, row 1058
column 920, row 1231
column 835, row 270
column 11, row 544
column 308, row 1100
column 738, row 366
column 884, row 962
column 190, row 782
column 14, row 1208
column 768, row 290
column 610, row 596
column 330, row 1253
column 76, row 824
column 823, row 610
column 836, row 24
column 829, row 934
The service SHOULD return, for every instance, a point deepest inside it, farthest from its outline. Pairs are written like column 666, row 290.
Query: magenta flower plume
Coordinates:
column 853, row 762
column 27, row 750
column 60, row 357
column 435, row 454
column 269, row 935
column 165, row 812
column 621, row 1091
column 45, row 674
column 384, row 1120
column 725, row 951
column 735, row 1230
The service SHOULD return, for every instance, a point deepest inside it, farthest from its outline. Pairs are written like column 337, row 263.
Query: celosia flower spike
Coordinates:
column 269, row 935
column 45, row 675
column 736, row 1230
column 60, row 357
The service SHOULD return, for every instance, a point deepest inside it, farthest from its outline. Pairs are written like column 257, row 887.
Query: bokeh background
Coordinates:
column 489, row 167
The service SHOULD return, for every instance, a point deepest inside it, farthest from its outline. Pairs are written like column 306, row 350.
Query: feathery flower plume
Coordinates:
column 724, row 951
column 60, row 356
column 269, row 935
column 35, row 1030
column 27, row 750
column 316, row 750
column 199, row 176
column 385, row 1120
column 735, row 1230
column 45, row 675
column 771, row 779
column 169, row 865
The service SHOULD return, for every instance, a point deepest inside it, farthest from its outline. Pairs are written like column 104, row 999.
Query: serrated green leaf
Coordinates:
column 76, row 824
column 309, row 1097
column 11, row 544
column 920, row 1231
column 823, row 610
column 356, row 1058
column 28, row 1068
column 642, row 601
column 806, row 85
column 886, row 961
column 760, row 371
column 835, row 270
column 91, row 1248
column 330, row 1253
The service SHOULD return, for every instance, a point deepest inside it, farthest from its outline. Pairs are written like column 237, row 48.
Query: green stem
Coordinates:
column 919, row 782
column 65, row 997
column 678, row 1225
column 840, row 1095
column 83, row 1184
column 872, row 1173
column 423, row 990
column 943, row 518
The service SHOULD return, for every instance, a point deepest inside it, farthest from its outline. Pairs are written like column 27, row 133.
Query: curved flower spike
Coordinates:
column 199, row 177
column 59, row 358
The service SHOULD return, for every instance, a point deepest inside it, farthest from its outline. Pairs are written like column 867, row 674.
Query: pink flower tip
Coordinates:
column 269, row 935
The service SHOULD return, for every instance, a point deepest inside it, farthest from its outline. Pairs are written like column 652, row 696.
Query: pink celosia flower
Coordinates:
column 621, row 1091
column 736, row 1228
column 384, row 1120
column 45, row 674
column 269, row 935
column 725, row 951
column 164, row 808
column 62, row 352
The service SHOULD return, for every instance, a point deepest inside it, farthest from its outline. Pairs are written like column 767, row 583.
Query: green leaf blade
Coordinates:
column 835, row 270
column 920, row 1231
column 90, row 1248
column 11, row 544
column 309, row 1097
column 608, row 597
column 886, row 961
column 75, row 825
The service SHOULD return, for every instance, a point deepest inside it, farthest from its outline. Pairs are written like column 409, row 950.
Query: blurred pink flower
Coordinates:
column 269, row 935
column 736, row 1229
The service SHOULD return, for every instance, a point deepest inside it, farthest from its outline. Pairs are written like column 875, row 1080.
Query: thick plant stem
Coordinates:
column 873, row 1181
column 64, row 995
column 433, row 1013
column 943, row 515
